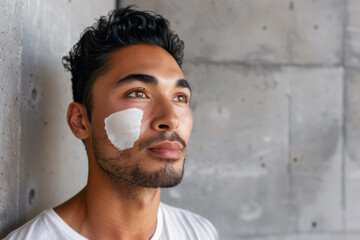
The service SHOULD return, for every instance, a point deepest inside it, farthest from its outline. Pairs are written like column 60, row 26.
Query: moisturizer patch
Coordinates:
column 123, row 127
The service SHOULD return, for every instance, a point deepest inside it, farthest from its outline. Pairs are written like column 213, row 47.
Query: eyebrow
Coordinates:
column 183, row 83
column 145, row 78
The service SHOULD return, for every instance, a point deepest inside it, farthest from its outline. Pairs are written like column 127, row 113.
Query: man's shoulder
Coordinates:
column 46, row 225
column 30, row 229
column 193, row 226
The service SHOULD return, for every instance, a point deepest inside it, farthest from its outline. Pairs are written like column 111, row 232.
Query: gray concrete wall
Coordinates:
column 10, row 122
column 41, row 164
column 274, row 152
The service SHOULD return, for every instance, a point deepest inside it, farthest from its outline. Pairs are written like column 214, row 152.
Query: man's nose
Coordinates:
column 165, row 116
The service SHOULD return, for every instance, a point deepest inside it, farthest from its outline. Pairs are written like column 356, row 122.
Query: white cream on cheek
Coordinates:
column 123, row 127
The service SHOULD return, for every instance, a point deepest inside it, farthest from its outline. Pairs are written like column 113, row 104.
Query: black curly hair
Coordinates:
column 88, row 59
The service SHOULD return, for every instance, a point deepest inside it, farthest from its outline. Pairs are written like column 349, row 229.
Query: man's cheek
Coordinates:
column 123, row 127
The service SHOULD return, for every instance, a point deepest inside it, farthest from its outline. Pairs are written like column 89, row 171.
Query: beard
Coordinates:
column 122, row 168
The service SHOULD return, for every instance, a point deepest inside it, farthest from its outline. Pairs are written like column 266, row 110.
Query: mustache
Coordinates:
column 162, row 136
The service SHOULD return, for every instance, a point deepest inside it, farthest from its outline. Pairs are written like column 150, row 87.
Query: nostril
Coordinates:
column 163, row 126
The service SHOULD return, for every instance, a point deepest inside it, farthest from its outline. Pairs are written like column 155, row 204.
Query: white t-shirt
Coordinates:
column 172, row 224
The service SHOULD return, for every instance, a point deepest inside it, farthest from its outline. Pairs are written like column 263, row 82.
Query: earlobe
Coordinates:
column 77, row 120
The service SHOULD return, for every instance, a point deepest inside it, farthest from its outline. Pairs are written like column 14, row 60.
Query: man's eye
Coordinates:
column 181, row 98
column 137, row 94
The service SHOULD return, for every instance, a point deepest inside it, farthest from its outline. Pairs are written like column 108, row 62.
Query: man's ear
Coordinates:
column 78, row 120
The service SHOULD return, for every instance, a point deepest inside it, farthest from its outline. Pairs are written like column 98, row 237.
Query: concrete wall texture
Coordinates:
column 274, row 152
column 41, row 163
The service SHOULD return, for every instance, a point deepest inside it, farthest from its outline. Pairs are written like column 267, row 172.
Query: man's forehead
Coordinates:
column 143, row 54
column 144, row 59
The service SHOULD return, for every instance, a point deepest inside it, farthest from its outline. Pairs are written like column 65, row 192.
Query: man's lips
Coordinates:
column 166, row 149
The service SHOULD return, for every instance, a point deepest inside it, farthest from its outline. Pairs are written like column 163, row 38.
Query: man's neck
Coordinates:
column 105, row 209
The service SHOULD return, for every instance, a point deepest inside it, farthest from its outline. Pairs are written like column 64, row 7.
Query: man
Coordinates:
column 131, row 109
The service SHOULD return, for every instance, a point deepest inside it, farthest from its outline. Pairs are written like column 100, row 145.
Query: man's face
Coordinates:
column 148, row 78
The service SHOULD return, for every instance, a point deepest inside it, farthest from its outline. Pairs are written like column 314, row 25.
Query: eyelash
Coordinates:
column 186, row 98
column 144, row 91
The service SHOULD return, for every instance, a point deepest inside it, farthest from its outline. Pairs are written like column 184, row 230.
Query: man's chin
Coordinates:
column 166, row 177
